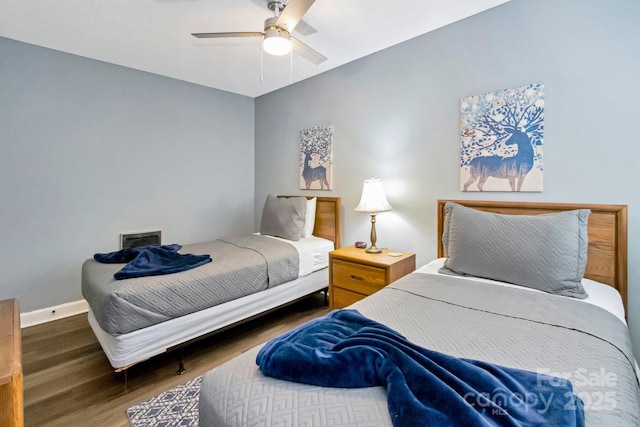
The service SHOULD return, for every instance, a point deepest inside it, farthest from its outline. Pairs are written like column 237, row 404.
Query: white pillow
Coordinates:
column 309, row 218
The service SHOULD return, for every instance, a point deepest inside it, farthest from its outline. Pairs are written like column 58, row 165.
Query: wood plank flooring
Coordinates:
column 68, row 380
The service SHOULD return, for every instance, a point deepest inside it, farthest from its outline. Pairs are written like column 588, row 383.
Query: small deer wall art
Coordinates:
column 316, row 147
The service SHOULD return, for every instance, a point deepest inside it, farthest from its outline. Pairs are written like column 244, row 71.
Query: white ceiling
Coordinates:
column 155, row 35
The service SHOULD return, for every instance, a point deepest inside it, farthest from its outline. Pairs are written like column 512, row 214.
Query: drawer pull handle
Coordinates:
column 357, row 278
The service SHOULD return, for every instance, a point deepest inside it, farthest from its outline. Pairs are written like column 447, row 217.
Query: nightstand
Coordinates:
column 355, row 274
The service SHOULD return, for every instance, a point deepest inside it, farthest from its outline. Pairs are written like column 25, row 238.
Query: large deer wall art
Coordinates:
column 501, row 140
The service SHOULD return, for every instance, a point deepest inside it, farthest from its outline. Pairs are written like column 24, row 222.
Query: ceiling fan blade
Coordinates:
column 305, row 29
column 221, row 35
column 306, row 52
column 293, row 13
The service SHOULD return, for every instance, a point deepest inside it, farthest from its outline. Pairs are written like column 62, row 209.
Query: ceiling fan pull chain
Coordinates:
column 291, row 66
column 261, row 78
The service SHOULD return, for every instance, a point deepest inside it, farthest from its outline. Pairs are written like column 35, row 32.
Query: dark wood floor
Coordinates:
column 68, row 381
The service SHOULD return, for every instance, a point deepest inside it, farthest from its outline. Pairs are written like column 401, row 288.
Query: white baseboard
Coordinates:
column 49, row 314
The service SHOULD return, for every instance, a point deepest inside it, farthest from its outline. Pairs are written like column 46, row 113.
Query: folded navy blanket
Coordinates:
column 151, row 260
column 424, row 387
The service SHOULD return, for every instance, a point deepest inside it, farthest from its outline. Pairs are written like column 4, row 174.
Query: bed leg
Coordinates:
column 326, row 297
column 181, row 369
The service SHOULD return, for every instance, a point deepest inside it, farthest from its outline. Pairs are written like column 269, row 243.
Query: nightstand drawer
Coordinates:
column 360, row 278
column 342, row 298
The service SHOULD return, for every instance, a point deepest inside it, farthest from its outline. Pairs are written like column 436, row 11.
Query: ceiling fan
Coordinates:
column 276, row 37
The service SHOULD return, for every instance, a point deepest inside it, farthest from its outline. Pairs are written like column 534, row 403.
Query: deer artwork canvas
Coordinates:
column 501, row 140
column 316, row 157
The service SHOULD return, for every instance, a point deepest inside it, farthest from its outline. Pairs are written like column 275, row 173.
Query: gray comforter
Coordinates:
column 241, row 266
column 512, row 327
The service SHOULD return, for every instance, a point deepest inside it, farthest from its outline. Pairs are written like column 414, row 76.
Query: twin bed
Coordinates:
column 555, row 323
column 138, row 318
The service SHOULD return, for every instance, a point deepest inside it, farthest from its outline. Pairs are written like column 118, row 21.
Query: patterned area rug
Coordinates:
column 175, row 407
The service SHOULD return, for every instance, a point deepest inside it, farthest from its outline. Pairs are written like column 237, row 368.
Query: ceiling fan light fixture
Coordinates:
column 276, row 41
column 276, row 38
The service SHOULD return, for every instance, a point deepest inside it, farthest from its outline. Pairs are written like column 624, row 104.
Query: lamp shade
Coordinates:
column 373, row 198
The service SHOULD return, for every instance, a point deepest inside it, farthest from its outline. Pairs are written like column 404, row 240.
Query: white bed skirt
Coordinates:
column 128, row 349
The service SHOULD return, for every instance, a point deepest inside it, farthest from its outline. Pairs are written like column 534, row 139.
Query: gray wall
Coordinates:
column 90, row 150
column 396, row 116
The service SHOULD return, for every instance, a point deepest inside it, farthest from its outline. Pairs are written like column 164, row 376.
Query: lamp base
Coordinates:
column 373, row 249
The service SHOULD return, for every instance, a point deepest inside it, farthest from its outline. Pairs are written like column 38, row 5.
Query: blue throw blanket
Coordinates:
column 151, row 260
column 424, row 387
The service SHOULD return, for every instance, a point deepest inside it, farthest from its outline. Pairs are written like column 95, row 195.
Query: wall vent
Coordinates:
column 132, row 240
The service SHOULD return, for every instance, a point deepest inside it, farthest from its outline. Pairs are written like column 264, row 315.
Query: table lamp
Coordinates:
column 373, row 201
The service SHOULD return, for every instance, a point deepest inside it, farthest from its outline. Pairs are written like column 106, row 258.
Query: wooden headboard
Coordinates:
column 607, row 231
column 328, row 223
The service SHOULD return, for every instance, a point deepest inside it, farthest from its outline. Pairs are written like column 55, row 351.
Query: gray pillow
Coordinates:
column 283, row 217
column 547, row 252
